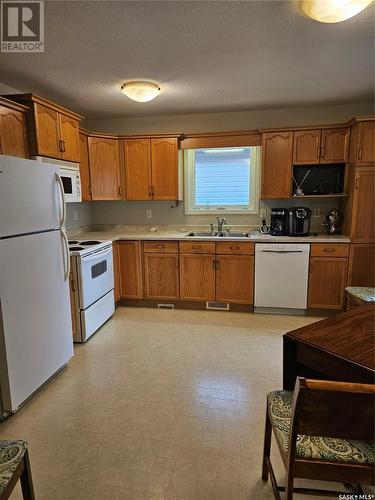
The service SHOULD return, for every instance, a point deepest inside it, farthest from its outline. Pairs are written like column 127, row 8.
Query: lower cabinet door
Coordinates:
column 327, row 281
column 116, row 270
column 361, row 265
column 131, row 269
column 161, row 276
column 197, row 277
column 235, row 279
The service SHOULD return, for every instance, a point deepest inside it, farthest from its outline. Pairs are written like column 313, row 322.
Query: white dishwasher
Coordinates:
column 281, row 277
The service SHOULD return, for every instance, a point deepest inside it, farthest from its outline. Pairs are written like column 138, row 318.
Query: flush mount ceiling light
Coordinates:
column 333, row 11
column 141, row 91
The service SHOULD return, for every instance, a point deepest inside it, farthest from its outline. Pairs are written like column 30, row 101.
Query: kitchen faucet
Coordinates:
column 220, row 224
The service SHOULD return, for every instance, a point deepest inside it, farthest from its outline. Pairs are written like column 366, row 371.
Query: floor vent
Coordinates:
column 165, row 306
column 218, row 306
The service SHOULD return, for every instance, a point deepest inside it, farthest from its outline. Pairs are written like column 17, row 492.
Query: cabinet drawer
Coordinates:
column 235, row 248
column 197, row 247
column 328, row 250
column 161, row 246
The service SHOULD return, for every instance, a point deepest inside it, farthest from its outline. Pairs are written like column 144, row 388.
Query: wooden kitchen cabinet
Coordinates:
column 104, row 160
column 334, row 146
column 327, row 281
column 306, row 147
column 47, row 131
column 130, row 269
column 161, row 276
column 151, row 168
column 327, row 145
column 235, row 279
column 359, row 218
column 362, row 141
column 137, row 169
column 164, row 168
column 197, row 277
column 277, row 156
column 69, row 137
column 13, row 133
column 116, row 270
column 361, row 270
column 84, row 167
column 52, row 130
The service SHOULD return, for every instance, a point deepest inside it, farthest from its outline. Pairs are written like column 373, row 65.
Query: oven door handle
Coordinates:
column 67, row 254
column 102, row 253
column 63, row 205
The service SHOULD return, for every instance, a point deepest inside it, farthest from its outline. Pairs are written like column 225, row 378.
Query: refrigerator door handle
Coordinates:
column 63, row 206
column 67, row 255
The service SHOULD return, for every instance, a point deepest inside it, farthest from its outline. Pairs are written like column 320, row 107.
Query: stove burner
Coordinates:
column 73, row 242
column 89, row 242
column 76, row 248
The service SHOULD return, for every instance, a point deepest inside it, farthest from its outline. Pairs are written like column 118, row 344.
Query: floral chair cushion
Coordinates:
column 11, row 454
column 314, row 447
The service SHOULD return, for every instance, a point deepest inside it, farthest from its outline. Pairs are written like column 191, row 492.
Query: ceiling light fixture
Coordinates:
column 333, row 11
column 140, row 91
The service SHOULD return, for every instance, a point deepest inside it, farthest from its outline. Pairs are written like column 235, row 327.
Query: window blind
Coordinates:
column 222, row 178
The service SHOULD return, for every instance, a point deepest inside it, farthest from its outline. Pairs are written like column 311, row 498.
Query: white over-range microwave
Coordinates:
column 70, row 177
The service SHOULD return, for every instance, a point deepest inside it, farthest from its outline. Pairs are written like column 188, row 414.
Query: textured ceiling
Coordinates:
column 207, row 55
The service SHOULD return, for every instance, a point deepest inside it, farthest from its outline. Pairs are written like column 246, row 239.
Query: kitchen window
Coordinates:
column 222, row 180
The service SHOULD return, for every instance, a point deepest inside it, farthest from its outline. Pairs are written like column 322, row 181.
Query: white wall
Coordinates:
column 240, row 120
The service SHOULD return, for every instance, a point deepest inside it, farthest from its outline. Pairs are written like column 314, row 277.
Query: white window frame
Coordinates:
column 189, row 185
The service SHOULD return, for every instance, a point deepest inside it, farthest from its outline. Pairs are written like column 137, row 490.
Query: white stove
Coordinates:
column 91, row 286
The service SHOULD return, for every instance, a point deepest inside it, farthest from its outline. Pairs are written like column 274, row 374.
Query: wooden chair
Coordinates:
column 324, row 431
column 15, row 465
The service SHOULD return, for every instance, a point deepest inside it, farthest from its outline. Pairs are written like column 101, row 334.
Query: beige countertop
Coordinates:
column 126, row 234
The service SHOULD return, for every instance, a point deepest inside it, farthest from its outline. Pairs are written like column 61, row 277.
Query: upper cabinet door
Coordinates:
column 47, row 131
column 104, row 159
column 277, row 148
column 164, row 167
column 137, row 169
column 306, row 147
column 13, row 135
column 84, row 167
column 334, row 145
column 366, row 143
column 69, row 137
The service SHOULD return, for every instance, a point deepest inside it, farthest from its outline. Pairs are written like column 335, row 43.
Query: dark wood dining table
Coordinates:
column 341, row 347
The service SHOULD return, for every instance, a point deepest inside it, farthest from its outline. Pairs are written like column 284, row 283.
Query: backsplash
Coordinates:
column 78, row 215
column 134, row 213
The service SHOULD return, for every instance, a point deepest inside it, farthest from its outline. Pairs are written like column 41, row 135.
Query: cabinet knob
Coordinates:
column 329, row 250
column 235, row 247
column 196, row 247
column 360, row 154
column 159, row 246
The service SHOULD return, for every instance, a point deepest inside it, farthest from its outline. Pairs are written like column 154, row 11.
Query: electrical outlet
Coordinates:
column 149, row 214
column 316, row 212
column 263, row 213
column 75, row 214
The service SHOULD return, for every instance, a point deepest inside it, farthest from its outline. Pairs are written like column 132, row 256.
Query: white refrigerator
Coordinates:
column 35, row 319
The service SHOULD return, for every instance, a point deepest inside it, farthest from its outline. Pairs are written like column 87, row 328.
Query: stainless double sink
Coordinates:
column 223, row 234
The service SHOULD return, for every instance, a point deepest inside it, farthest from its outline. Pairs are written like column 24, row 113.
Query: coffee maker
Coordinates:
column 279, row 222
column 299, row 221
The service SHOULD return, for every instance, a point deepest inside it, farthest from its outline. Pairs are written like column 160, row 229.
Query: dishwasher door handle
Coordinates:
column 282, row 251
